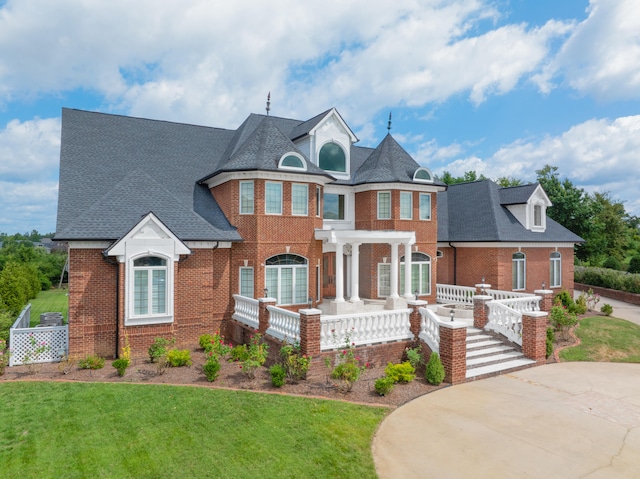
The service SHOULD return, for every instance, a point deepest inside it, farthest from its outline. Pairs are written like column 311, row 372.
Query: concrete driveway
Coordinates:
column 567, row 420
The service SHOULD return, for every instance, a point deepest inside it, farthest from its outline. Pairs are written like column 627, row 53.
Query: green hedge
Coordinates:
column 608, row 278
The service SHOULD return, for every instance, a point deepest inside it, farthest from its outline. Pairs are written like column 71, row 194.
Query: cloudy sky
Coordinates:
column 501, row 87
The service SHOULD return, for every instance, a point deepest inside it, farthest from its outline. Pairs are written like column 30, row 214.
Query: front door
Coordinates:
column 329, row 275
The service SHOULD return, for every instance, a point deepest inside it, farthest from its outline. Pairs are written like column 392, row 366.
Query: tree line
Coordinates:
column 612, row 236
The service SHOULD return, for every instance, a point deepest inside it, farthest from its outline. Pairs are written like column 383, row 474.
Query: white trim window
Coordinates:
column 406, row 205
column 273, row 198
column 384, row 205
column 384, row 280
column 149, row 287
column 318, row 201
column 246, row 282
column 246, row 197
column 555, row 270
column 425, row 206
column 286, row 278
column 518, row 271
column 299, row 199
column 420, row 273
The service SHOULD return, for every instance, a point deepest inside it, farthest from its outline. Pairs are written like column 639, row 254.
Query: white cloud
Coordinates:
column 602, row 56
column 30, row 150
column 24, row 206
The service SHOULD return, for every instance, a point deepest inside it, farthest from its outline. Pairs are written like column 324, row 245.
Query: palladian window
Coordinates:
column 286, row 278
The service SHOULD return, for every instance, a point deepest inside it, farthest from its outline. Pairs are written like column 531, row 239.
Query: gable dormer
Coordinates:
column 528, row 204
column 326, row 140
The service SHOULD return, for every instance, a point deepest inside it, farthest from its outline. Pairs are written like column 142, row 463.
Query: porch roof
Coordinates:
column 365, row 236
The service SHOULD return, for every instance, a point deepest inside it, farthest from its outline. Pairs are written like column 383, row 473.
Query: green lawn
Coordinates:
column 54, row 300
column 136, row 431
column 605, row 339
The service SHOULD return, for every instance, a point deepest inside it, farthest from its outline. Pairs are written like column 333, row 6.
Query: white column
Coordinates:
column 394, row 271
column 407, row 271
column 355, row 272
column 339, row 274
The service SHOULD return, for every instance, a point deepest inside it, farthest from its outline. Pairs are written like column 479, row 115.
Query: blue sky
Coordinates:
column 501, row 87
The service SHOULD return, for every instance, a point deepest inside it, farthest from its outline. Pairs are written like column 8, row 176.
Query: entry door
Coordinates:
column 329, row 275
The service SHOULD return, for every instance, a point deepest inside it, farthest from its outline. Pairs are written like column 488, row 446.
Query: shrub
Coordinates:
column 121, row 365
column 204, row 340
column 257, row 351
column 215, row 344
column 91, row 362
column 4, row 356
column 349, row 368
column 211, row 367
column 562, row 320
column 634, row 265
column 6, row 321
column 607, row 309
column 581, row 304
column 384, row 385
column 434, row 373
column 551, row 338
column 295, row 364
column 159, row 348
column 239, row 353
column 278, row 374
column 414, row 356
column 608, row 278
column 179, row 357
column 612, row 263
column 400, row 373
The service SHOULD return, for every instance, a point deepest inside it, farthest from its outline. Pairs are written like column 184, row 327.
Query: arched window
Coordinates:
column 518, row 271
column 286, row 278
column 332, row 158
column 420, row 273
column 149, row 286
column 555, row 270
column 423, row 175
column 293, row 161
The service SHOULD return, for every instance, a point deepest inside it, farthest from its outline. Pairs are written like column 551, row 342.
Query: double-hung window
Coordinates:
column 406, row 205
column 246, row 197
column 425, row 206
column 246, row 282
column 518, row 271
column 273, row 198
column 299, row 200
column 555, row 271
column 384, row 205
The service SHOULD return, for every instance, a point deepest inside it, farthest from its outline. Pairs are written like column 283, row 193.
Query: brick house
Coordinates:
column 165, row 222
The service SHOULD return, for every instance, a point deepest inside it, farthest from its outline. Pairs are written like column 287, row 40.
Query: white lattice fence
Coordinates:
column 25, row 341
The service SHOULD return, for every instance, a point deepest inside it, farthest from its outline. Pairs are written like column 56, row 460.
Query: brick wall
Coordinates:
column 610, row 293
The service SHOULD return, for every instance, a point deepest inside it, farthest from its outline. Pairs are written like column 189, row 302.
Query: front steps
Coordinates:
column 488, row 356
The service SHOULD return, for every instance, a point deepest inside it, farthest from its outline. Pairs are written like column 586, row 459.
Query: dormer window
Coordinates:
column 537, row 215
column 423, row 175
column 292, row 161
column 332, row 158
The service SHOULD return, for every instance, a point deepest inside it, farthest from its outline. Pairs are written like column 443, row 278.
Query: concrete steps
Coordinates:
column 489, row 356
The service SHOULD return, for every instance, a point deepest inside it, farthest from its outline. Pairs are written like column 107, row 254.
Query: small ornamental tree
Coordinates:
column 435, row 370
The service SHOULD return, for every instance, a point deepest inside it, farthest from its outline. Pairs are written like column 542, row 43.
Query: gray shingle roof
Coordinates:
column 474, row 212
column 517, row 195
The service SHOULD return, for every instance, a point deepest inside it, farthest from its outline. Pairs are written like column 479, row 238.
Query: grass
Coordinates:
column 605, row 339
column 125, row 430
column 54, row 300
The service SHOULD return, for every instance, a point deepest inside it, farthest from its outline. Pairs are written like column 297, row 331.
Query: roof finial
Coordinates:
column 389, row 124
column 268, row 103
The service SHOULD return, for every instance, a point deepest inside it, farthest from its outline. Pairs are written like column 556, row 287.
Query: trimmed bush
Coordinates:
column 211, row 368
column 159, row 348
column 91, row 362
column 400, row 373
column 607, row 309
column 278, row 374
column 435, row 370
column 121, row 365
column 384, row 385
column 179, row 357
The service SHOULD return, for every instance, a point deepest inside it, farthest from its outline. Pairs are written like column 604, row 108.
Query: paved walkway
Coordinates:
column 567, row 420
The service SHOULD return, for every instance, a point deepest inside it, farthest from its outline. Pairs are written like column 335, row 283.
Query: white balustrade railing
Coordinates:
column 523, row 304
column 25, row 342
column 430, row 329
column 364, row 328
column 505, row 320
column 247, row 311
column 451, row 293
column 497, row 294
column 284, row 324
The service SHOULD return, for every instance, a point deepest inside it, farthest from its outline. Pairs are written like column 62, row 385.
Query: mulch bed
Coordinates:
column 231, row 377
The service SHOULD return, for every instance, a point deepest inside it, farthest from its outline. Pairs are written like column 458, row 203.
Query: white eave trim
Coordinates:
column 421, row 187
column 334, row 112
column 511, row 244
column 365, row 236
column 298, row 176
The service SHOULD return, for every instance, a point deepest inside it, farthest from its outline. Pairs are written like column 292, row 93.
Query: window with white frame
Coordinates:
column 246, row 197
column 246, row 282
column 425, row 206
column 333, row 206
column 406, row 205
column 318, row 204
column 384, row 205
column 299, row 199
column 286, row 278
column 384, row 279
column 555, row 270
column 273, row 198
column 420, row 273
column 332, row 158
column 537, row 215
column 149, row 286
column 518, row 271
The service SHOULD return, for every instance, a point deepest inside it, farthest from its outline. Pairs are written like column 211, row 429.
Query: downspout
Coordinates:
column 117, row 265
column 455, row 263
